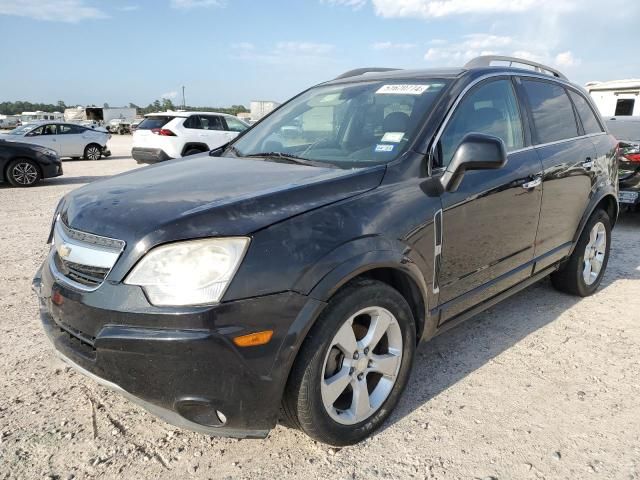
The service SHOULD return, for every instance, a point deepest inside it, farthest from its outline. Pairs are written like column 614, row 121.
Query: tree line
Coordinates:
column 16, row 108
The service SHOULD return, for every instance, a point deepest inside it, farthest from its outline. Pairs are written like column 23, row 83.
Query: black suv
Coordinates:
column 300, row 265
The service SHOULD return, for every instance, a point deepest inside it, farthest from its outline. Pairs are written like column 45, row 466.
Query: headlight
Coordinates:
column 193, row 272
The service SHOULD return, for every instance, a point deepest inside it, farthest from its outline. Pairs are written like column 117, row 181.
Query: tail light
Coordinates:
column 632, row 157
column 163, row 132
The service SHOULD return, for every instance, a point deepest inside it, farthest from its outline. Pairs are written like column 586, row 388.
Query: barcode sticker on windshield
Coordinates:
column 403, row 89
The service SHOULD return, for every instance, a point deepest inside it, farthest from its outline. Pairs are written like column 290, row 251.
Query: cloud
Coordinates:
column 304, row 48
column 566, row 59
column 442, row 8
column 474, row 45
column 69, row 11
column 243, row 46
column 129, row 8
column 283, row 52
column 393, row 46
column 355, row 4
column 169, row 95
column 189, row 4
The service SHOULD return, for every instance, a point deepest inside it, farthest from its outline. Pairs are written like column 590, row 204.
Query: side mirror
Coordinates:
column 476, row 152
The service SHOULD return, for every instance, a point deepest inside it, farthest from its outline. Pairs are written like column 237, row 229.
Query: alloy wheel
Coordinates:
column 361, row 366
column 93, row 153
column 594, row 253
column 25, row 173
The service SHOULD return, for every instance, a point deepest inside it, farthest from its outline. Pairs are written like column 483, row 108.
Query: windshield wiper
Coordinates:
column 289, row 158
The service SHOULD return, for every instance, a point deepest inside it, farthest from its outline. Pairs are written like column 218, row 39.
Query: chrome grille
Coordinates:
column 82, row 260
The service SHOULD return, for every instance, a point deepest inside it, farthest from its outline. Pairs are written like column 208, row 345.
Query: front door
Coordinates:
column 489, row 224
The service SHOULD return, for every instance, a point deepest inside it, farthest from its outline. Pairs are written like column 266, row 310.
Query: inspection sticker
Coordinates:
column 393, row 137
column 384, row 148
column 403, row 89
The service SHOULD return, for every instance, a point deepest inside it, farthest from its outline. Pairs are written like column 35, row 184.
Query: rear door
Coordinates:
column 568, row 157
column 489, row 224
column 70, row 140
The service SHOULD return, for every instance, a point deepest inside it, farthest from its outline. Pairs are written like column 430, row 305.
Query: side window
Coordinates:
column 193, row 122
column 492, row 109
column 588, row 118
column 49, row 130
column 35, row 132
column 553, row 116
column 211, row 122
column 235, row 125
column 67, row 129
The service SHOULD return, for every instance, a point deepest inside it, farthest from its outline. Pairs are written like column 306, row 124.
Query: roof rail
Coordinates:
column 485, row 61
column 360, row 71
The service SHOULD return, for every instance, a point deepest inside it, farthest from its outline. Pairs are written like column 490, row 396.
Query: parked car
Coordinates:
column 119, row 126
column 67, row 139
column 10, row 122
column 302, row 270
column 134, row 125
column 627, row 130
column 24, row 165
column 163, row 136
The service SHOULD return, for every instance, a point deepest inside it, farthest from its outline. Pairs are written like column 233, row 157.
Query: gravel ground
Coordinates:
column 543, row 385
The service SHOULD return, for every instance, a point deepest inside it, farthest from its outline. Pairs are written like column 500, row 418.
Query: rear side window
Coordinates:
column 588, row 118
column 553, row 115
column 491, row 109
column 70, row 129
column 192, row 122
column 211, row 122
column 149, row 123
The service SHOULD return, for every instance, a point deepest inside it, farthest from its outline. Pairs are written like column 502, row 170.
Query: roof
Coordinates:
column 184, row 114
column 422, row 74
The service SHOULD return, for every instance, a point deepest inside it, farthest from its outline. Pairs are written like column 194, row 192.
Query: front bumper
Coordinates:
column 149, row 155
column 180, row 365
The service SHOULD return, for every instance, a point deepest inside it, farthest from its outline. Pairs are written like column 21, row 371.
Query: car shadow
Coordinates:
column 451, row 356
column 75, row 180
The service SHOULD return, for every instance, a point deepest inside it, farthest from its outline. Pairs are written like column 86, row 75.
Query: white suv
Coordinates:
column 167, row 135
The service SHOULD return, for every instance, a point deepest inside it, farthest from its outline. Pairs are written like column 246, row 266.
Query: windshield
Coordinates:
column 22, row 130
column 347, row 125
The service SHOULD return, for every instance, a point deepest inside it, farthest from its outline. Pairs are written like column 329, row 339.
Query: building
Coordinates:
column 260, row 108
column 244, row 116
column 616, row 98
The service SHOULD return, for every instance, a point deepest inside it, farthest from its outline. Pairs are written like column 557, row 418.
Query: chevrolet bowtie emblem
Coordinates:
column 64, row 251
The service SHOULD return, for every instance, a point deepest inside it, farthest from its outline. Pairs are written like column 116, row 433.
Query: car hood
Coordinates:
column 207, row 196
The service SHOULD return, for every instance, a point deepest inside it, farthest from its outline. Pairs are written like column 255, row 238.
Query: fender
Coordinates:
column 200, row 145
column 599, row 196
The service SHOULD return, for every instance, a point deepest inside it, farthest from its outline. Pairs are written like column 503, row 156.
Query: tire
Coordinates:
column 92, row 152
column 192, row 151
column 350, row 317
column 23, row 173
column 594, row 244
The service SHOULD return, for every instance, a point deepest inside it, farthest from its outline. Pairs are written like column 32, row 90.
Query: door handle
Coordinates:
column 588, row 163
column 532, row 184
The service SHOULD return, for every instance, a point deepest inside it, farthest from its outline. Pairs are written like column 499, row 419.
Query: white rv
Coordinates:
column 618, row 98
column 40, row 116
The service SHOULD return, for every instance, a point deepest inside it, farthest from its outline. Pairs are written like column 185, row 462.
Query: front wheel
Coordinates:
column 92, row 152
column 353, row 365
column 23, row 173
column 582, row 274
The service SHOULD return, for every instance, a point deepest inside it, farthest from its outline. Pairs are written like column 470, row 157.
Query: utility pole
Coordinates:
column 184, row 103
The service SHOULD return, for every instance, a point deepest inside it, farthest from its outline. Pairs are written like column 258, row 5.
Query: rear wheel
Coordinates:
column 23, row 173
column 582, row 274
column 353, row 365
column 92, row 152
column 192, row 151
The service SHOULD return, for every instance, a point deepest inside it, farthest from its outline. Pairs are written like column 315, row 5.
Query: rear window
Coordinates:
column 588, row 118
column 149, row 123
column 553, row 116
